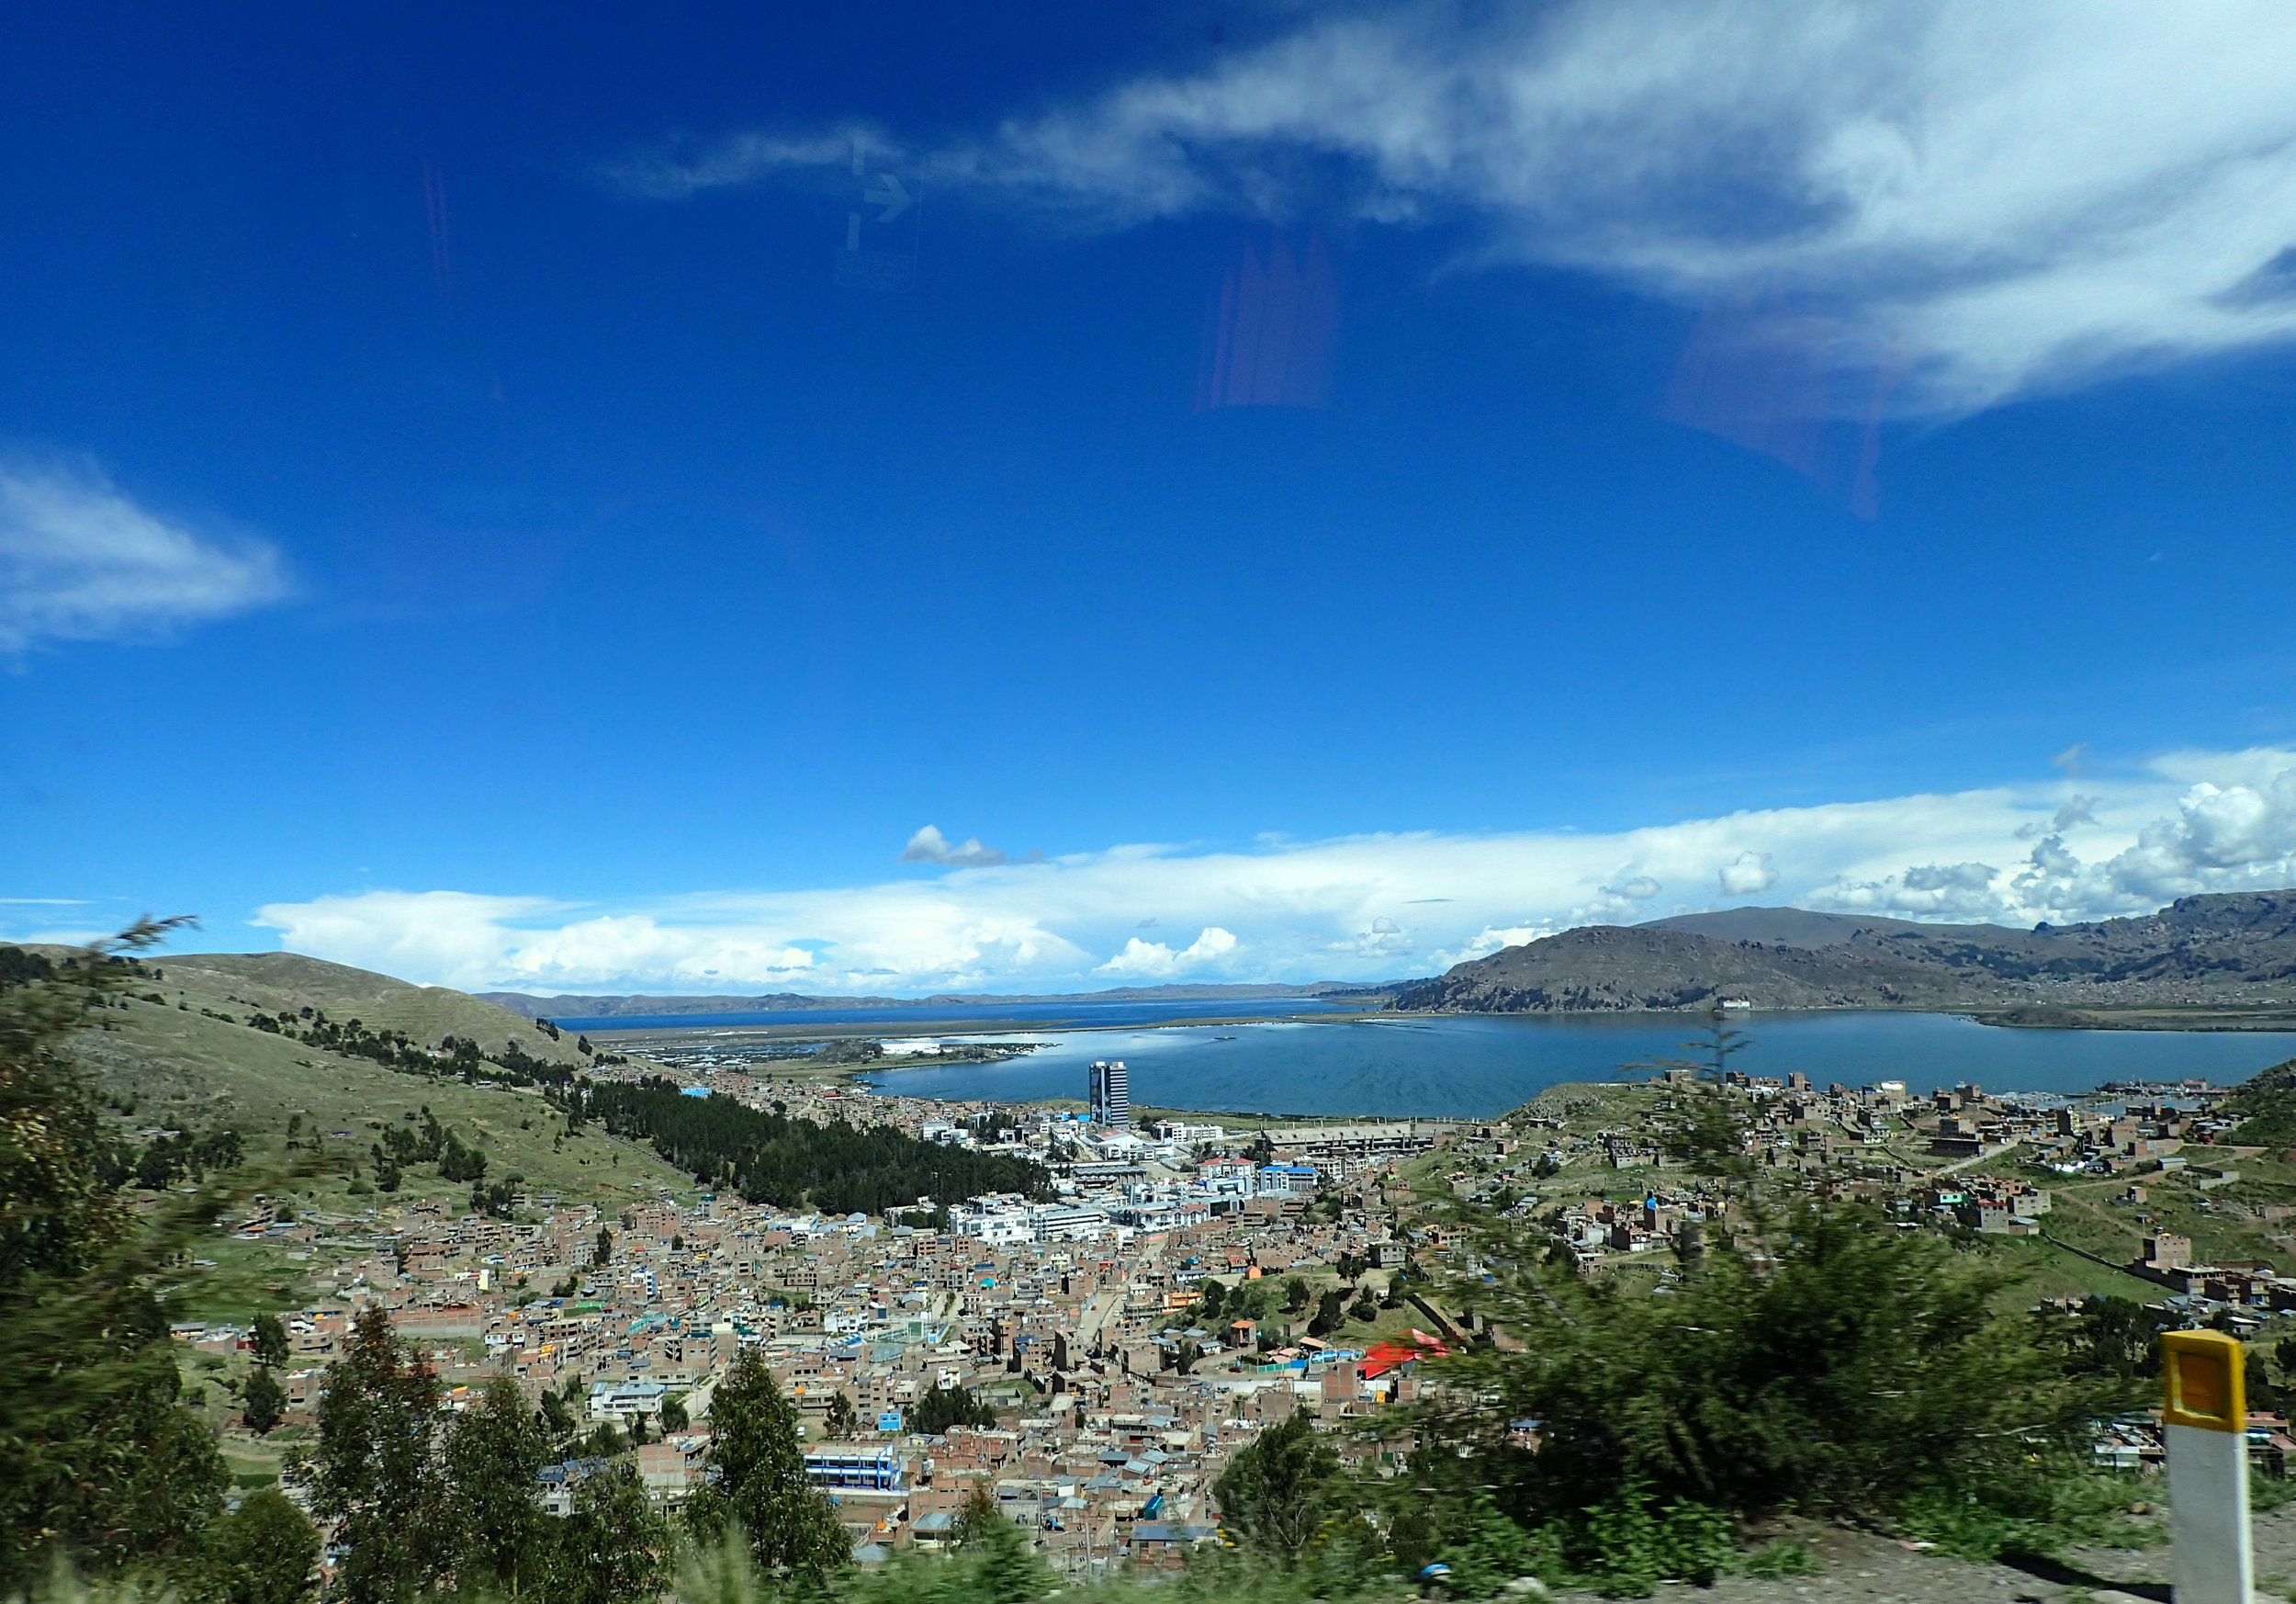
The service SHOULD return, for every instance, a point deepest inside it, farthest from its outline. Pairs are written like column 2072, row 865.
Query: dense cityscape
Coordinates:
column 1180, row 1286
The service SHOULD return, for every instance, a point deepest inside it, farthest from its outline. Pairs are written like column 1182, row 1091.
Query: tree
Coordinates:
column 492, row 1455
column 1710, row 1128
column 2118, row 1337
column 265, row 1551
column 271, row 1342
column 263, row 1402
column 673, row 1412
column 943, row 1407
column 1276, row 1492
column 615, row 1548
column 605, row 1443
column 604, row 1254
column 1365, row 1309
column 1856, row 1368
column 557, row 1419
column 843, row 1421
column 1329, row 1313
column 98, row 1461
column 978, row 1518
column 759, row 1481
column 1295, row 1294
column 374, row 1470
column 1009, row 1570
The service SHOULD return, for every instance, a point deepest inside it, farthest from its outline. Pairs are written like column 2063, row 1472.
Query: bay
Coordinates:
column 1474, row 1067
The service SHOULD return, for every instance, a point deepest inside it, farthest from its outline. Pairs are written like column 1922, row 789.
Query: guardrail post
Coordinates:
column 2204, row 1421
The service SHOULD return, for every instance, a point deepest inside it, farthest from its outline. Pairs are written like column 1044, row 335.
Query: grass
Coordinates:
column 249, row 1278
column 1779, row 1559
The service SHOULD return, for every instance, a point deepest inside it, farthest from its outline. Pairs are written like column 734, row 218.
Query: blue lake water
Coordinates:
column 961, row 1015
column 1475, row 1068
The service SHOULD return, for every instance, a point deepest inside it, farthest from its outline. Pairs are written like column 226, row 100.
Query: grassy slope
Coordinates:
column 175, row 1068
column 271, row 981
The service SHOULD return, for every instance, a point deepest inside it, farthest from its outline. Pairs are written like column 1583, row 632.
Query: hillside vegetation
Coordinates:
column 200, row 1045
column 769, row 1157
column 2230, row 952
column 272, row 981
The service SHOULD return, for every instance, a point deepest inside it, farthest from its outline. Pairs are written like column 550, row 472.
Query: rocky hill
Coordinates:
column 2235, row 951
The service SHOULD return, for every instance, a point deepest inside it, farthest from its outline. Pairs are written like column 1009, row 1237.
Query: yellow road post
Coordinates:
column 2204, row 1422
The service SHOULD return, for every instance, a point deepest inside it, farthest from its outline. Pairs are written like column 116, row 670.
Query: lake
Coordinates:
column 1472, row 1067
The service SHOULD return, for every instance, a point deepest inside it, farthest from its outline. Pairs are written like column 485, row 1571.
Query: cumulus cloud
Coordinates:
column 911, row 936
column 1370, row 906
column 80, row 560
column 2077, row 811
column 1154, row 961
column 1979, row 201
column 1642, row 888
column 1932, row 891
column 1747, row 874
column 2218, row 837
column 930, row 846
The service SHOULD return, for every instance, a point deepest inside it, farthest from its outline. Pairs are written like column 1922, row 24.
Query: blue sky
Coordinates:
column 1312, row 491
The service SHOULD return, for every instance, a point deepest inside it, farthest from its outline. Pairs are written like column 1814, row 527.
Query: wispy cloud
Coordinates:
column 674, row 170
column 80, row 560
column 1979, row 201
column 1362, row 907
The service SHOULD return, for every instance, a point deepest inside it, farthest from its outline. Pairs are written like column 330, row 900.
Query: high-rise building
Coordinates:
column 1110, row 1093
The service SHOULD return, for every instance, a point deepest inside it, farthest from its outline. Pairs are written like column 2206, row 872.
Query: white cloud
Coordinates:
column 1487, row 941
column 1154, row 961
column 930, row 846
column 1747, row 874
column 1958, row 891
column 2218, row 836
column 1642, row 888
column 1358, row 908
column 79, row 561
column 1977, row 201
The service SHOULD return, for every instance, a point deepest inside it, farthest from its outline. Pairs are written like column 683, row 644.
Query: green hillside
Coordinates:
column 271, row 981
column 190, row 1062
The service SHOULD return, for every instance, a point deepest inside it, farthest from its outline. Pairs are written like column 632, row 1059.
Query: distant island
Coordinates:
column 2226, row 961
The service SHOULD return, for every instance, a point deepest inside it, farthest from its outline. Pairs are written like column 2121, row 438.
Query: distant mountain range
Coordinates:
column 573, row 1006
column 2234, row 951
